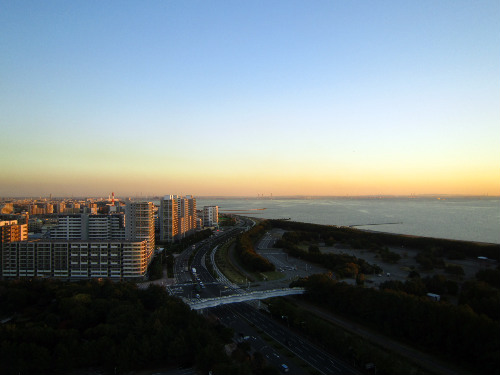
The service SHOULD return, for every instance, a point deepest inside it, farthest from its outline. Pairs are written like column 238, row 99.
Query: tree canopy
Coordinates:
column 55, row 327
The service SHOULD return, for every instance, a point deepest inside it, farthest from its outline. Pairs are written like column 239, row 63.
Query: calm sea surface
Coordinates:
column 453, row 218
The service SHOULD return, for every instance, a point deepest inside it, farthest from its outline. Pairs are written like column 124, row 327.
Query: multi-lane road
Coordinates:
column 300, row 347
column 246, row 320
column 200, row 284
column 230, row 316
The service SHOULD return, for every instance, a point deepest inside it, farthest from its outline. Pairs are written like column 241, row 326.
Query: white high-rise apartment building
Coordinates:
column 210, row 216
column 70, row 228
column 140, row 223
column 177, row 217
column 167, row 218
column 88, row 246
column 89, row 227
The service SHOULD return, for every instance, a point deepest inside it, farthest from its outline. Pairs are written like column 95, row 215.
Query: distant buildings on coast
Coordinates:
column 92, row 238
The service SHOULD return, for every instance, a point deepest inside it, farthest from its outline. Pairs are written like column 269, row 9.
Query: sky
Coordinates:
column 249, row 97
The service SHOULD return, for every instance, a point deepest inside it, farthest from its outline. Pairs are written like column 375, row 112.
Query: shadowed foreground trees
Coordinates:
column 455, row 332
column 56, row 327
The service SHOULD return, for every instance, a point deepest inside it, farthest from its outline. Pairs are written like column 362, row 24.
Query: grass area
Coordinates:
column 229, row 270
column 224, row 264
column 266, row 276
column 270, row 276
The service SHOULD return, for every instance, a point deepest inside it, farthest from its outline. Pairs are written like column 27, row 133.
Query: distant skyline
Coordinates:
column 226, row 98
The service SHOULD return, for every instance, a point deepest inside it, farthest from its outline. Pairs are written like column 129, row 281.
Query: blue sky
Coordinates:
column 241, row 98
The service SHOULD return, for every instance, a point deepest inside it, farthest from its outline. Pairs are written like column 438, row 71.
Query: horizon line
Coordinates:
column 262, row 197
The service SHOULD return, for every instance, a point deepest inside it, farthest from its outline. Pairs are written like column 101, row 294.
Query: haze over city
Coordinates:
column 245, row 98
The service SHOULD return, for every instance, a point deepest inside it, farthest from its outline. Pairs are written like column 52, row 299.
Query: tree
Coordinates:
column 489, row 276
column 454, row 269
column 360, row 279
column 314, row 249
column 413, row 274
column 436, row 284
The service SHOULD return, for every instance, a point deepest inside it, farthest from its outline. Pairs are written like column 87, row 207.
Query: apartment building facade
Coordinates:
column 177, row 217
column 76, row 259
column 89, row 227
column 167, row 219
column 87, row 246
column 140, row 223
column 11, row 231
column 211, row 216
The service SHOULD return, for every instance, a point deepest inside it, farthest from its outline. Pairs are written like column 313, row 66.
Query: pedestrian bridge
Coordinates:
column 199, row 304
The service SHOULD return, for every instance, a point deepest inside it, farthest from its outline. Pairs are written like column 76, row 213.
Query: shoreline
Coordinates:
column 356, row 227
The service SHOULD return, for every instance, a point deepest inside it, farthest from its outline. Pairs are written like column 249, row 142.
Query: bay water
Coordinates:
column 468, row 219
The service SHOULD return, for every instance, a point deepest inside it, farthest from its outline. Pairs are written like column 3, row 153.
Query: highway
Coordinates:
column 246, row 320
column 202, row 283
column 229, row 316
column 314, row 356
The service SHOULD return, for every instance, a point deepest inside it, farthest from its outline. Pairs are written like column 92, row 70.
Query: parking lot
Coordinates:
column 293, row 268
column 290, row 267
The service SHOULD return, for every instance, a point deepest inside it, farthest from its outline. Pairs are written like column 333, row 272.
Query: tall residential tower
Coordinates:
column 177, row 217
column 140, row 223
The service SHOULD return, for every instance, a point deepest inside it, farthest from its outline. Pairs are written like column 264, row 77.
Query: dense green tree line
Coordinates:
column 456, row 332
column 481, row 297
column 490, row 276
column 155, row 269
column 374, row 240
column 437, row 284
column 350, row 347
column 244, row 248
column 162, row 261
column 478, row 295
column 227, row 220
column 430, row 258
column 55, row 327
column 388, row 256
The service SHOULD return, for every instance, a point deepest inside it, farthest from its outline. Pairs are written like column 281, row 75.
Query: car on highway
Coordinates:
column 284, row 368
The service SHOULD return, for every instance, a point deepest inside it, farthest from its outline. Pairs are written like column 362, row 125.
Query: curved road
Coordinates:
column 245, row 317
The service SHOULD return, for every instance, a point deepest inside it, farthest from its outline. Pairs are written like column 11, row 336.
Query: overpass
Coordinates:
column 198, row 304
